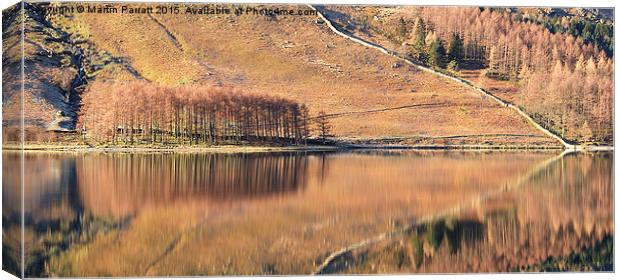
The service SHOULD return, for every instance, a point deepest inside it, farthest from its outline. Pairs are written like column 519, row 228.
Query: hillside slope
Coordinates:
column 575, row 104
column 57, row 62
column 370, row 96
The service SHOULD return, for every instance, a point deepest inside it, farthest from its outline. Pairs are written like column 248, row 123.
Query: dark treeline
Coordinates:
column 141, row 112
column 601, row 34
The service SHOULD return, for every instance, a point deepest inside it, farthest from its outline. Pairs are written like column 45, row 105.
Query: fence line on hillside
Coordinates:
column 456, row 79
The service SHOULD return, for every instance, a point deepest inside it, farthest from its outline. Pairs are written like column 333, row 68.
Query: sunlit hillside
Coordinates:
column 371, row 95
column 556, row 64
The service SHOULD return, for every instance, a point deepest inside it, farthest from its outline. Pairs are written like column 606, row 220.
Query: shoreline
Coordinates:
column 309, row 148
column 170, row 149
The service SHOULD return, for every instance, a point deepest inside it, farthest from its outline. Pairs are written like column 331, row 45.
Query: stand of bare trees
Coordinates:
column 323, row 127
column 141, row 112
column 574, row 100
column 566, row 84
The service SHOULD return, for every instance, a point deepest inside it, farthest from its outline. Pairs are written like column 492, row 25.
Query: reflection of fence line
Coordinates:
column 326, row 265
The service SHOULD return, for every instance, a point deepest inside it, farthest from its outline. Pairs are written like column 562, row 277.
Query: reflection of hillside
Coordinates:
column 234, row 201
column 11, row 213
column 57, row 186
column 565, row 210
column 49, row 185
column 120, row 184
column 50, row 205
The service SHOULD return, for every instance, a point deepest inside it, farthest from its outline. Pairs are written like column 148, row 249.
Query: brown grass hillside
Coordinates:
column 566, row 105
column 295, row 57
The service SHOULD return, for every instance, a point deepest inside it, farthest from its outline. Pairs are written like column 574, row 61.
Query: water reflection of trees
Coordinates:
column 126, row 182
column 69, row 198
column 561, row 212
column 561, row 209
column 496, row 245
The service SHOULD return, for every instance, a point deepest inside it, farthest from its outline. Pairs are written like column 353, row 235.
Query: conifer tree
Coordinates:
column 455, row 48
column 418, row 51
column 437, row 54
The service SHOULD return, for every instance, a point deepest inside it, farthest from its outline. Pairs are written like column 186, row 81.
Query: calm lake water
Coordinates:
column 130, row 214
